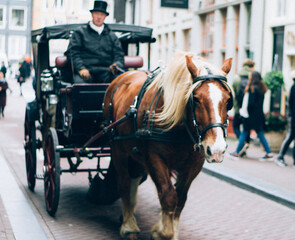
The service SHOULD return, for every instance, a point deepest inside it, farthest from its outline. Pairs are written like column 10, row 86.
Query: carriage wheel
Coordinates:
column 30, row 152
column 51, row 172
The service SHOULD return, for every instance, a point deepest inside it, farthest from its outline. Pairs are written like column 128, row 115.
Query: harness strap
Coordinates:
column 209, row 77
column 113, row 93
column 198, row 143
column 213, row 125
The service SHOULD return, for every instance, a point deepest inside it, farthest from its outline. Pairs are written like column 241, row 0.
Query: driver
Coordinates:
column 95, row 50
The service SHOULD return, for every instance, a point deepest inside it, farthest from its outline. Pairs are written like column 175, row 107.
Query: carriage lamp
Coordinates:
column 46, row 81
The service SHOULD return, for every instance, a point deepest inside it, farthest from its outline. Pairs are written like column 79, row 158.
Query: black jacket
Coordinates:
column 89, row 49
column 255, row 109
column 291, row 102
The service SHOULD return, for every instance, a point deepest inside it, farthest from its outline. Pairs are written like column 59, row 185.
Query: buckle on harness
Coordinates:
column 132, row 109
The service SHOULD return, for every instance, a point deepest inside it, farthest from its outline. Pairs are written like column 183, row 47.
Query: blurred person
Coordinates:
column 3, row 69
column 95, row 50
column 239, row 84
column 3, row 88
column 290, row 135
column 256, row 89
column 26, row 65
column 21, row 78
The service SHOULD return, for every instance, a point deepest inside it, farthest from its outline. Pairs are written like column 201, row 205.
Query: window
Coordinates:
column 86, row 5
column 208, row 28
column 16, row 46
column 45, row 4
column 2, row 16
column 2, row 43
column 223, row 13
column 209, row 3
column 281, row 8
column 58, row 4
column 18, row 18
column 187, row 39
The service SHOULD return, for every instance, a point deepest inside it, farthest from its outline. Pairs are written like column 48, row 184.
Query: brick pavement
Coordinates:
column 214, row 210
column 267, row 171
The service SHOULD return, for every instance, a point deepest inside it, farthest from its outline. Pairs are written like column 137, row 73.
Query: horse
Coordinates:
column 175, row 120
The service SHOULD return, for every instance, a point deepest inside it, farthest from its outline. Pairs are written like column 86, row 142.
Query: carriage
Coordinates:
column 64, row 116
column 164, row 123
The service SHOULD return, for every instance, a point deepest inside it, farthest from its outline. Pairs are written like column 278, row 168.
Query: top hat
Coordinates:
column 100, row 6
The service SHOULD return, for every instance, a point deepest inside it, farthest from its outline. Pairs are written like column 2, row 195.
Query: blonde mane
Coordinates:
column 176, row 81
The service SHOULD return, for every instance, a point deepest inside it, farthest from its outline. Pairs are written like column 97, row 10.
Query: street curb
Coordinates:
column 24, row 223
column 252, row 184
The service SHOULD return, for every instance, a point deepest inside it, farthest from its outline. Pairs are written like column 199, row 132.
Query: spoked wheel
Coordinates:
column 30, row 152
column 51, row 172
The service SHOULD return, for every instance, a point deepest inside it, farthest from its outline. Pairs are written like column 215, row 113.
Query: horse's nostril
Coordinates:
column 209, row 151
column 213, row 160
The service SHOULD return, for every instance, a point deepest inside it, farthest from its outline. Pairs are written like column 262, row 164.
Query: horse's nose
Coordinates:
column 209, row 153
column 215, row 158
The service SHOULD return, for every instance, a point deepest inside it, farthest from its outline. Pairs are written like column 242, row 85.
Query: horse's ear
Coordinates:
column 227, row 65
column 191, row 66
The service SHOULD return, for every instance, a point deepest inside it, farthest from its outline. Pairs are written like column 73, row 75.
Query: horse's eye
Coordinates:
column 196, row 100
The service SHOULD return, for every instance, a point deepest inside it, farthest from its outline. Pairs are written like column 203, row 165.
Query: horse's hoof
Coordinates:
column 131, row 236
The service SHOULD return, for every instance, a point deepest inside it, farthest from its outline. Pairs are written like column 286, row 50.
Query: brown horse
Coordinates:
column 176, row 122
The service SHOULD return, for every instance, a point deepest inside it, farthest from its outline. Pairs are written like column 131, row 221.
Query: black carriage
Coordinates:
column 64, row 117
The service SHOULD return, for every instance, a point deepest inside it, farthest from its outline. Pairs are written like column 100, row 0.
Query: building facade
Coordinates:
column 218, row 29
column 215, row 30
column 279, row 45
column 53, row 12
column 15, row 29
column 56, row 12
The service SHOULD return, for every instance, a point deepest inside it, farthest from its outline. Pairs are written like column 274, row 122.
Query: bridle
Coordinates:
column 197, row 135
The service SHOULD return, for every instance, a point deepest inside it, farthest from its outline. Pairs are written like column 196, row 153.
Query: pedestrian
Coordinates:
column 290, row 135
column 21, row 78
column 3, row 88
column 3, row 69
column 26, row 65
column 239, row 84
column 254, row 93
column 95, row 50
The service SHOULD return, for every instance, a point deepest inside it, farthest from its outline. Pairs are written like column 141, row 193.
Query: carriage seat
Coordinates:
column 61, row 62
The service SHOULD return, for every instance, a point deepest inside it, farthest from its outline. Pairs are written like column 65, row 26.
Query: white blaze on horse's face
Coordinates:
column 214, row 150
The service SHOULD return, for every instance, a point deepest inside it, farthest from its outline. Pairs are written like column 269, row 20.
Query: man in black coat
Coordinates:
column 95, row 50
column 290, row 135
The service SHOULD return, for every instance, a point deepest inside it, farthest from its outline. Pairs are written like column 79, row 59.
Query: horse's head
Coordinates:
column 210, row 100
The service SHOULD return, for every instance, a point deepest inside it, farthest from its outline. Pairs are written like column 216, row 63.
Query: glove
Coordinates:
column 85, row 74
column 113, row 68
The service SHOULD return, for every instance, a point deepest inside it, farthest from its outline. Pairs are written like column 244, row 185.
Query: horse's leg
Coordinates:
column 128, row 190
column 184, row 181
column 159, row 172
column 129, row 226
